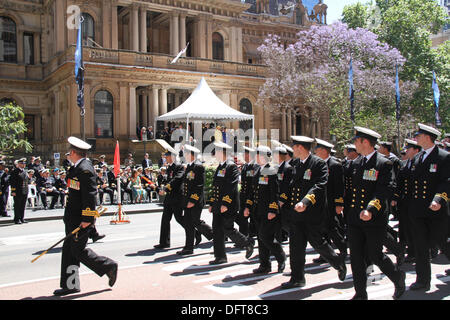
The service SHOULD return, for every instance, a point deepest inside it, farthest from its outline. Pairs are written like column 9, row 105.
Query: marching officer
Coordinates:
column 264, row 201
column 284, row 177
column 372, row 181
column 306, row 212
column 402, row 196
column 248, row 170
column 4, row 184
column 19, row 190
column 80, row 212
column 428, row 207
column 173, row 198
column 193, row 200
column 224, row 205
column 335, row 198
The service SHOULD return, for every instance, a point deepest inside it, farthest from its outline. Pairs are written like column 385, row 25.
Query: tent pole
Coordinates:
column 187, row 129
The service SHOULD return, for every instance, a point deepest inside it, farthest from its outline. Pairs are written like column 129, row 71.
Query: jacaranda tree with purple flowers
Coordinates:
column 311, row 78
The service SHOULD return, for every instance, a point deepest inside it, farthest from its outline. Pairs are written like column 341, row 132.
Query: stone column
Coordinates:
column 174, row 37
column 37, row 48
column 144, row 108
column 56, row 94
column 123, row 109
column 134, row 24
column 209, row 37
column 155, row 105
column 59, row 30
column 132, row 112
column 182, row 37
column 106, row 23
column 240, row 54
column 163, row 99
column 89, row 115
column 143, row 31
column 114, row 26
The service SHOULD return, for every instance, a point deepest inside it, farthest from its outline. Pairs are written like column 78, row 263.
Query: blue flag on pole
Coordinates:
column 397, row 94
column 79, row 69
column 436, row 96
column 351, row 91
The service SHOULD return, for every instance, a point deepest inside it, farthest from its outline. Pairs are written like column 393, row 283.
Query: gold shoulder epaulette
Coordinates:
column 195, row 196
column 227, row 199
column 90, row 213
column 273, row 205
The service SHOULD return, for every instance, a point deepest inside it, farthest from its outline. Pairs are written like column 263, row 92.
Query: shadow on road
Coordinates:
column 69, row 297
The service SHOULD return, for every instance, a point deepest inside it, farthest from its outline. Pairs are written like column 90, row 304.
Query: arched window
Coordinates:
column 217, row 46
column 245, row 106
column 88, row 29
column 103, row 114
column 8, row 40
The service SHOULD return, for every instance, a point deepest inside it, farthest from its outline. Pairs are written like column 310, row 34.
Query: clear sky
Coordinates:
column 335, row 8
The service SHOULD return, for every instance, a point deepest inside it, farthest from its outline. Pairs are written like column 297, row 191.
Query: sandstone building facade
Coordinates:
column 128, row 47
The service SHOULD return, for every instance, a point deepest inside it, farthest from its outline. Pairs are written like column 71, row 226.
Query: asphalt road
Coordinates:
column 148, row 274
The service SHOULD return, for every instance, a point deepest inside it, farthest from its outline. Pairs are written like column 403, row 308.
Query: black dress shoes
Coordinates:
column 97, row 237
column 65, row 291
column 400, row 286
column 419, row 286
column 262, row 269
column 18, row 222
column 112, row 275
column 249, row 250
column 218, row 261
column 161, row 246
column 319, row 260
column 185, row 252
column 342, row 272
column 198, row 238
column 293, row 284
column 359, row 297
column 24, row 221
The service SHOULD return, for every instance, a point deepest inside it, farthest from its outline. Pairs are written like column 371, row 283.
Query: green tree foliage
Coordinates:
column 407, row 25
column 12, row 127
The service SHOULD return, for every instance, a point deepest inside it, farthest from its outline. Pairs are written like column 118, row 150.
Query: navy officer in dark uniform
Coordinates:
column 19, row 190
column 264, row 202
column 80, row 212
column 335, row 198
column 428, row 207
column 402, row 197
column 372, row 182
column 173, row 197
column 224, row 201
column 193, row 200
column 284, row 176
column 248, row 170
column 305, row 203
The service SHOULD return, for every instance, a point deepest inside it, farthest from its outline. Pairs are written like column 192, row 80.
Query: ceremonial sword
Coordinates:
column 99, row 212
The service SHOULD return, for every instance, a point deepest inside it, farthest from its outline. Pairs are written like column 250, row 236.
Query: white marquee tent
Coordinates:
column 203, row 104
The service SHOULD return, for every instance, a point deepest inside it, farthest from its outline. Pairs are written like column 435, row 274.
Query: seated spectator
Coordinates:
column 139, row 193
